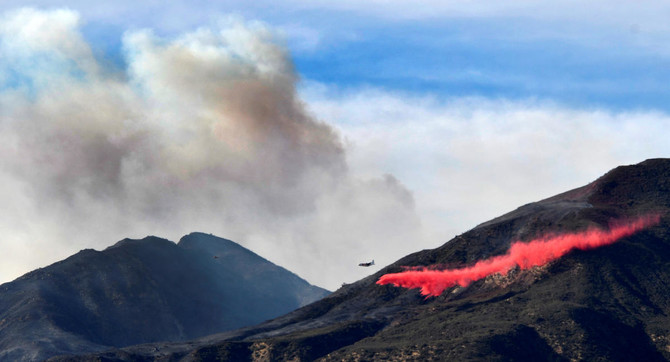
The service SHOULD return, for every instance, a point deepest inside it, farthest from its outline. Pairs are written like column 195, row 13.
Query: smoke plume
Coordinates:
column 525, row 255
column 203, row 131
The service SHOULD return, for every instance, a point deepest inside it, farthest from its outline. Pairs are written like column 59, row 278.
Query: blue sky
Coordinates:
column 503, row 56
column 438, row 116
column 600, row 55
column 458, row 58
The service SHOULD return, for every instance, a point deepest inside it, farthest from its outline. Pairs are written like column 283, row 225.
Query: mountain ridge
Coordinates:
column 606, row 304
column 142, row 290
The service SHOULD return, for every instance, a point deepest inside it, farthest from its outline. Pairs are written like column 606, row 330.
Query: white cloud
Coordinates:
column 469, row 160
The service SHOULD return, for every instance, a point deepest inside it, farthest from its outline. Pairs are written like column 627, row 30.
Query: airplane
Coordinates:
column 367, row 264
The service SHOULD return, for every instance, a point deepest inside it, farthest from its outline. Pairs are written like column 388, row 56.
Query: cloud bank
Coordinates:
column 203, row 131
column 468, row 160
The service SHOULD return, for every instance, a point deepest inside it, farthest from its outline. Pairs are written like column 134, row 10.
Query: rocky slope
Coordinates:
column 140, row 291
column 608, row 304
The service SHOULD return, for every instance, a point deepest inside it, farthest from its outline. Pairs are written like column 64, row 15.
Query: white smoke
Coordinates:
column 202, row 132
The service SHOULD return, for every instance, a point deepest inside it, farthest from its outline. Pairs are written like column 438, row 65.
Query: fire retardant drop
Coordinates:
column 526, row 255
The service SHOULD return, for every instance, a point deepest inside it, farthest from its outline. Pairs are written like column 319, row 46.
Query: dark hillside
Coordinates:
column 608, row 304
column 140, row 291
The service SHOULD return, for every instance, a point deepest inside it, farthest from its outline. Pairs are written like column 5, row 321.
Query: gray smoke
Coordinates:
column 202, row 132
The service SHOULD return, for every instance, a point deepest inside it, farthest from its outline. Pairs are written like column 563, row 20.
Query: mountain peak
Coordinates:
column 211, row 243
column 146, row 241
column 636, row 188
column 624, row 191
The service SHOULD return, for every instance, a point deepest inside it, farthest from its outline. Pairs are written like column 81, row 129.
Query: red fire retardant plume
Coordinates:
column 526, row 255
